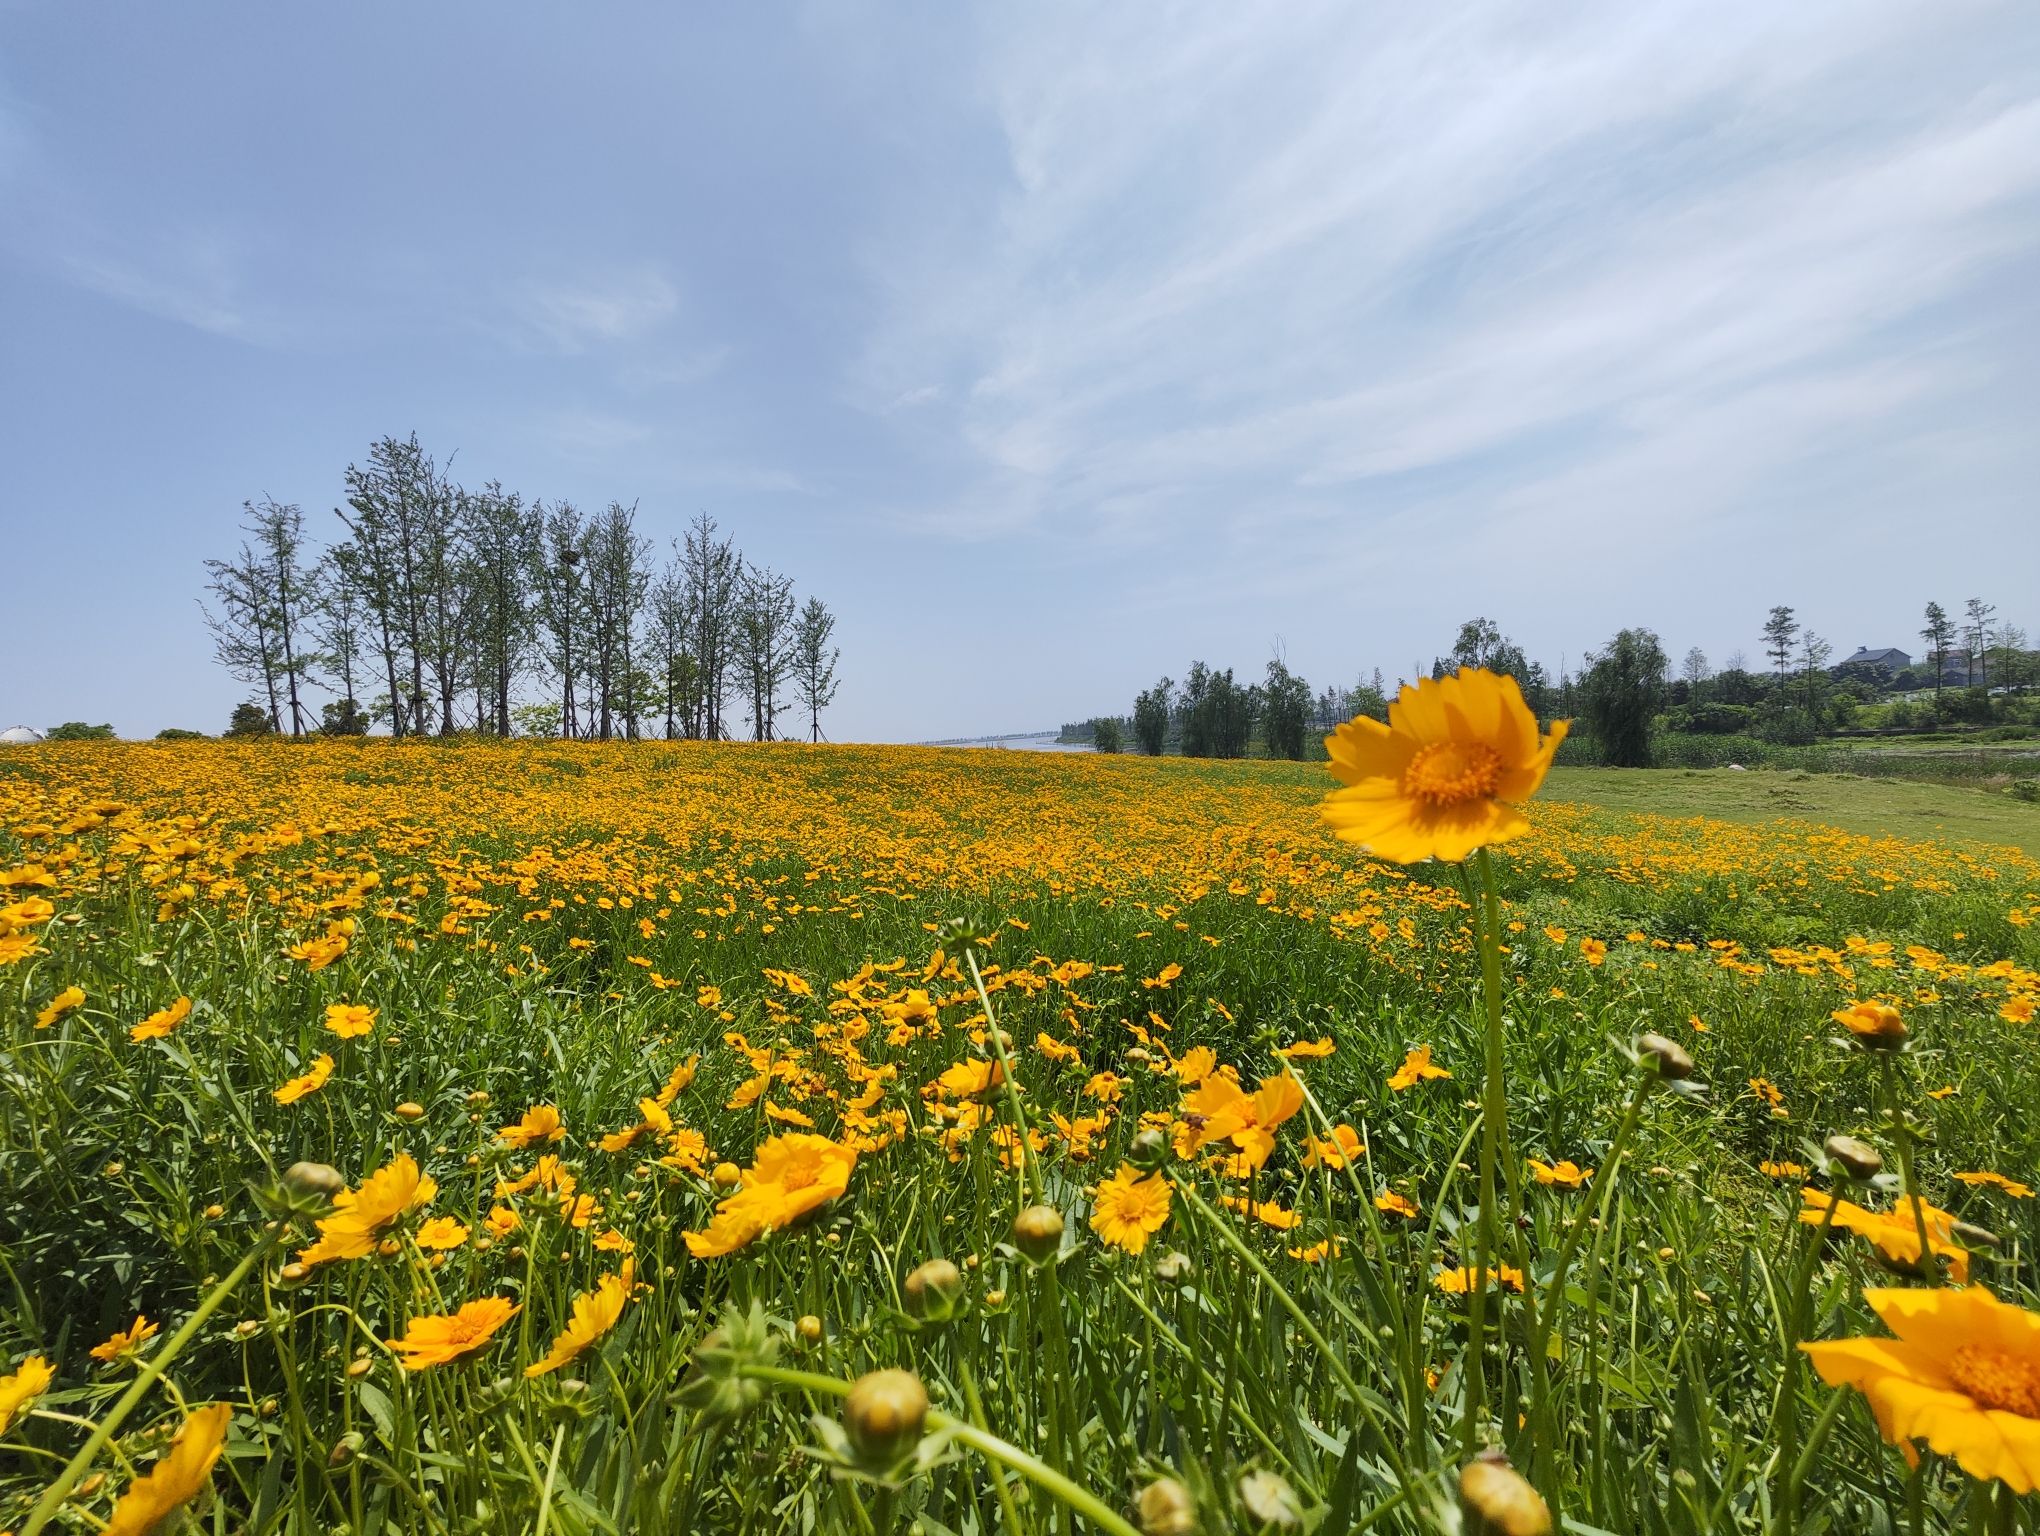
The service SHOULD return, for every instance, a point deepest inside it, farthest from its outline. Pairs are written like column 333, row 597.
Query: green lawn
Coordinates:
column 1942, row 813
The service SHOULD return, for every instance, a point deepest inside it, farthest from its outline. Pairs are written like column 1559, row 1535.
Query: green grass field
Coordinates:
column 1874, row 807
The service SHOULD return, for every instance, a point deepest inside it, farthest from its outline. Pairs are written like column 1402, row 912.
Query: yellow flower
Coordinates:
column 184, row 1472
column 452, row 1337
column 789, row 1177
column 1441, row 778
column 350, row 1021
column 29, row 1381
column 540, row 1123
column 67, row 1001
column 1129, row 1209
column 1308, row 1048
column 1196, row 1064
column 1317, row 1253
column 1962, row 1375
column 1222, row 1111
column 1342, row 1147
column 2011, row 1187
column 1457, row 1282
column 159, row 1024
column 1562, row 1175
column 595, row 1313
column 1782, row 1170
column 1268, row 1212
column 317, row 954
column 1895, row 1233
column 310, row 1081
column 442, row 1232
column 361, row 1216
column 127, row 1340
column 1389, row 1203
column 1415, row 1068
column 1873, row 1023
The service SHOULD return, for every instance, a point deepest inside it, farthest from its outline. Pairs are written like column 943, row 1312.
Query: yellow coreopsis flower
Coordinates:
column 540, row 1123
column 452, row 1337
column 67, row 1001
column 350, row 1021
column 30, row 1380
column 1560, row 1175
column 361, row 1216
column 129, row 1339
column 184, row 1472
column 1443, row 777
column 311, row 1080
column 594, row 1314
column 1415, row 1069
column 1129, row 1209
column 790, row 1176
column 1458, row 1282
column 1221, row 1110
column 1963, row 1374
column 160, row 1024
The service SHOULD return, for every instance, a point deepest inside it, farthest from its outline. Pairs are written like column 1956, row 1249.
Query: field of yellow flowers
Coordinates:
column 569, row 1138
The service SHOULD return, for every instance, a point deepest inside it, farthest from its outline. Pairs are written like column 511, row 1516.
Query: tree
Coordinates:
column 78, row 730
column 712, row 569
column 386, row 501
column 1779, row 631
column 1194, row 711
column 251, row 719
column 764, row 644
column 1105, row 735
column 1939, row 632
column 1151, row 709
column 179, row 733
column 1479, row 640
column 1813, row 659
column 1976, row 635
column 344, row 717
column 500, row 533
column 1622, row 692
column 555, row 574
column 814, row 662
column 244, row 625
column 1694, row 670
column 290, row 590
column 1285, row 711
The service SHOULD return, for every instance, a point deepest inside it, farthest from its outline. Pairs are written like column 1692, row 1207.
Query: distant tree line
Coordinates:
column 441, row 609
column 1625, row 700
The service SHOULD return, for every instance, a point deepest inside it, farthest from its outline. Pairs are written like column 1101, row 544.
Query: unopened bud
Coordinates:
column 1166, row 1509
column 933, row 1290
column 1499, row 1501
column 1670, row 1058
column 409, row 1111
column 884, row 1415
column 728, row 1176
column 1150, row 1148
column 1038, row 1232
column 307, row 1180
column 809, row 1328
column 1858, row 1159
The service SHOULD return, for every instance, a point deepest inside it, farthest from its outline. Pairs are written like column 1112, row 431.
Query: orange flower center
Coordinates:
column 1452, row 772
column 1997, row 1380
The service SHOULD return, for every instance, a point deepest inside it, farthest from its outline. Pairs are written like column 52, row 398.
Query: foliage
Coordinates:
column 1151, row 714
column 510, row 928
column 1106, row 736
column 178, row 733
column 1621, row 693
column 251, row 718
column 78, row 730
column 1285, row 711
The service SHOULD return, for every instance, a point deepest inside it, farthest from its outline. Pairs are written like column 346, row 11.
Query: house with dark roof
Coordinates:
column 1888, row 658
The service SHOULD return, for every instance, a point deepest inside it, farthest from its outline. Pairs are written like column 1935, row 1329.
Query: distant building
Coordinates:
column 19, row 736
column 1890, row 658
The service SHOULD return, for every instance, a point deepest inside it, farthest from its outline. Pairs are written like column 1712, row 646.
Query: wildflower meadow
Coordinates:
column 461, row 1136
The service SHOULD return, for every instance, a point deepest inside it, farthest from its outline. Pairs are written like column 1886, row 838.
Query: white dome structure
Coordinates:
column 19, row 735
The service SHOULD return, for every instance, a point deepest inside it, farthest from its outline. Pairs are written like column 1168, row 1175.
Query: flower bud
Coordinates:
column 1165, row 1508
column 1174, row 1267
column 933, row 1290
column 409, row 1111
column 345, row 1449
column 1038, row 1232
column 1498, row 1500
column 884, row 1415
column 809, row 1328
column 1669, row 1057
column 1149, row 1150
column 1858, row 1159
column 308, row 1180
column 728, row 1176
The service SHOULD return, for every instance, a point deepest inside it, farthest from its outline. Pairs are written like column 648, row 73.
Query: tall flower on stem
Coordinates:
column 1443, row 779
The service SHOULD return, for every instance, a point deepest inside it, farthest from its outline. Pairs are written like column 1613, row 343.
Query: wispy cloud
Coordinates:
column 583, row 313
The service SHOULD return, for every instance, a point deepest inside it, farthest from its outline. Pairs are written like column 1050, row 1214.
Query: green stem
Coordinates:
column 1030, row 1170
column 1493, row 1116
column 1074, row 1495
column 54, row 1496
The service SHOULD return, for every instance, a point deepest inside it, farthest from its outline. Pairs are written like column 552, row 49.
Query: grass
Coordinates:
column 1874, row 807
column 686, row 953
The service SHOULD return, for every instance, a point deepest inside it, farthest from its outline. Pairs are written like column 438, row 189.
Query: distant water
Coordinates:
column 1037, row 741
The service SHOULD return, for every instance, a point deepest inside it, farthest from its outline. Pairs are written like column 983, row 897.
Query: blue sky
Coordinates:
column 1052, row 345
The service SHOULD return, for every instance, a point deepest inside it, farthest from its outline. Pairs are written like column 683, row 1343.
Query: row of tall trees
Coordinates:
column 440, row 608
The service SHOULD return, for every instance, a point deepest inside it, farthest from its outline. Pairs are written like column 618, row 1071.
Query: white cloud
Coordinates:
column 588, row 312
